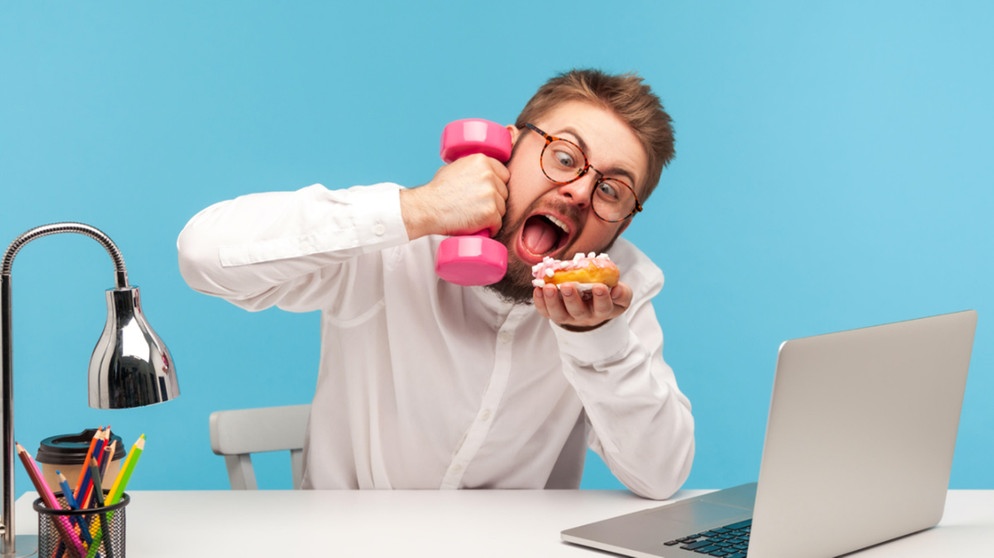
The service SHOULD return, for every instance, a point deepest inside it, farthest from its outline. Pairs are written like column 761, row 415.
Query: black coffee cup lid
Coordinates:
column 70, row 449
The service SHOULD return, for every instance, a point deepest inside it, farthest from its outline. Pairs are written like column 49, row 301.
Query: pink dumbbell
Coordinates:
column 474, row 259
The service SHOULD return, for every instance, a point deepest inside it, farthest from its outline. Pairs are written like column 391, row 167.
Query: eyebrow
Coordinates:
column 608, row 173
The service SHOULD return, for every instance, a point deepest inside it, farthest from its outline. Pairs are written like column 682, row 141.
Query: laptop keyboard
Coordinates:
column 730, row 541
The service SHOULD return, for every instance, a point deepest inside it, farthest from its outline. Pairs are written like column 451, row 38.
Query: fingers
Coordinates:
column 475, row 194
column 495, row 204
column 569, row 306
column 464, row 197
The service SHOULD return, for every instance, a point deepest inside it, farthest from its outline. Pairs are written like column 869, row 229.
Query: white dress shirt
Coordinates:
column 426, row 384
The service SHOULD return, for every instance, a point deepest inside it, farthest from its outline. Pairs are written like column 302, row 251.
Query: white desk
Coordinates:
column 436, row 523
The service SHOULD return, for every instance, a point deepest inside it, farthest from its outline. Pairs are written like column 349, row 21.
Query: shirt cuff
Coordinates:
column 598, row 345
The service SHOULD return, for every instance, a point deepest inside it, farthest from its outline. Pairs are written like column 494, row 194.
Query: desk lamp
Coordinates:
column 130, row 366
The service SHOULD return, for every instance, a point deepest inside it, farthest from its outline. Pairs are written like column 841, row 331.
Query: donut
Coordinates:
column 583, row 268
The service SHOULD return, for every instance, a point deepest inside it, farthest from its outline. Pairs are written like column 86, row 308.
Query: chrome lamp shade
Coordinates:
column 130, row 365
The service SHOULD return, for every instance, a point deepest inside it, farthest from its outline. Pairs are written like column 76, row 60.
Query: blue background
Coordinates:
column 834, row 170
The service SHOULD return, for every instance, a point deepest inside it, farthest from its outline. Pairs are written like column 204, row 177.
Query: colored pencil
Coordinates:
column 108, row 457
column 62, row 525
column 117, row 489
column 85, row 486
column 73, row 505
column 66, row 491
column 82, row 471
column 121, row 482
column 98, row 496
column 103, row 457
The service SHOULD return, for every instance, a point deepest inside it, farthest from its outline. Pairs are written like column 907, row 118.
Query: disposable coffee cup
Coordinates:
column 66, row 453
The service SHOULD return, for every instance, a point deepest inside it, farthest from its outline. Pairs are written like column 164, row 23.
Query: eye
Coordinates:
column 609, row 190
column 564, row 159
column 566, row 155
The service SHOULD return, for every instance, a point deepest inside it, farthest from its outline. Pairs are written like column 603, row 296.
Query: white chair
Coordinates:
column 237, row 434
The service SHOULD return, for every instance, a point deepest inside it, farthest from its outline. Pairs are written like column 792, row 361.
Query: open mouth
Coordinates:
column 543, row 235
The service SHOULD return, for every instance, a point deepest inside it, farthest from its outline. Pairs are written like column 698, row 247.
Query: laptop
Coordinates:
column 858, row 450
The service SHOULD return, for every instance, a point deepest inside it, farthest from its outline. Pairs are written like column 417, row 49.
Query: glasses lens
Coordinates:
column 613, row 200
column 563, row 161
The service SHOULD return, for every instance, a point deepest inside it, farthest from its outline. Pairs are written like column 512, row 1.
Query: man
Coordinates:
column 427, row 384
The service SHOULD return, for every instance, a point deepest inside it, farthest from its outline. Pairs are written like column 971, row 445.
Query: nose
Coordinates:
column 580, row 191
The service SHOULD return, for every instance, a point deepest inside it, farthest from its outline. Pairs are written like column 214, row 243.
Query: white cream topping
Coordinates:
column 549, row 266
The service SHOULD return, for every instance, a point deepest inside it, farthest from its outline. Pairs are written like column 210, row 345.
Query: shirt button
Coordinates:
column 485, row 415
column 379, row 229
column 504, row 337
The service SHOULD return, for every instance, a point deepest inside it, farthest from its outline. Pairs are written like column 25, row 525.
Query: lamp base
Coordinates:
column 24, row 545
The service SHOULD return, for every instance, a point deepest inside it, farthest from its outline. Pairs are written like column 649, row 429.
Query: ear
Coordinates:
column 515, row 133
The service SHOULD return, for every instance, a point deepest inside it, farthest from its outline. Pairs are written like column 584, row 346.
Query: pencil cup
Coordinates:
column 101, row 527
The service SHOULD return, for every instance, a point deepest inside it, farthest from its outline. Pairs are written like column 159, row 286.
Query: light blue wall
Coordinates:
column 834, row 170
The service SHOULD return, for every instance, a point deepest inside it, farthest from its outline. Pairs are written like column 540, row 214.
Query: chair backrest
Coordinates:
column 237, row 434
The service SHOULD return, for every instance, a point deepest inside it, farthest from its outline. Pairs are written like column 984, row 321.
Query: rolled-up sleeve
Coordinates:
column 249, row 248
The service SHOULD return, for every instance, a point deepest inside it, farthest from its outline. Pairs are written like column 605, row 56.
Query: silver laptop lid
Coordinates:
column 860, row 436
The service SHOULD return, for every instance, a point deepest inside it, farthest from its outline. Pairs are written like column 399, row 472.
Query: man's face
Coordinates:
column 546, row 219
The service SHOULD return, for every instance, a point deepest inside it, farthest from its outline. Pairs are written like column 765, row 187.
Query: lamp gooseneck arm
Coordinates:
column 7, row 534
column 121, row 273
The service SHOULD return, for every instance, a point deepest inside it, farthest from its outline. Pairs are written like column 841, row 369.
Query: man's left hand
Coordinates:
column 574, row 310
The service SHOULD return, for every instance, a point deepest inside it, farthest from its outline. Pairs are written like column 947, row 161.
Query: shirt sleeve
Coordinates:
column 267, row 249
column 641, row 423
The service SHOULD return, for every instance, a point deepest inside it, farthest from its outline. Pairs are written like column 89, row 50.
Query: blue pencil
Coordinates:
column 73, row 505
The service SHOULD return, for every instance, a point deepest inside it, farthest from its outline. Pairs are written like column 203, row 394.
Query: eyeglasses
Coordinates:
column 563, row 162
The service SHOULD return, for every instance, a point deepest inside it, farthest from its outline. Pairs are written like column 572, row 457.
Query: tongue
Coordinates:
column 539, row 236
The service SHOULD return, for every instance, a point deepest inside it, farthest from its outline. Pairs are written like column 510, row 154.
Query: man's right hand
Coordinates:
column 464, row 197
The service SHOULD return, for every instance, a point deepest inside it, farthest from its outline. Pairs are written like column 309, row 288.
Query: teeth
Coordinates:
column 558, row 223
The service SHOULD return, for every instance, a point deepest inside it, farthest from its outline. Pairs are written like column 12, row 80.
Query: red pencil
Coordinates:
column 77, row 492
column 87, row 489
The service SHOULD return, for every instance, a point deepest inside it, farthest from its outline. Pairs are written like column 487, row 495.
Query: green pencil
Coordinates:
column 121, row 482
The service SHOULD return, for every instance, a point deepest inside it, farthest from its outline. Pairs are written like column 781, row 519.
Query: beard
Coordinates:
column 516, row 285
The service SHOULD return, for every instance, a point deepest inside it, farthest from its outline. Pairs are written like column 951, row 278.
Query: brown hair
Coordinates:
column 624, row 94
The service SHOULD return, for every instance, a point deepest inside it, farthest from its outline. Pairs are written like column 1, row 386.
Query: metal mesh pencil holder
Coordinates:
column 100, row 527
